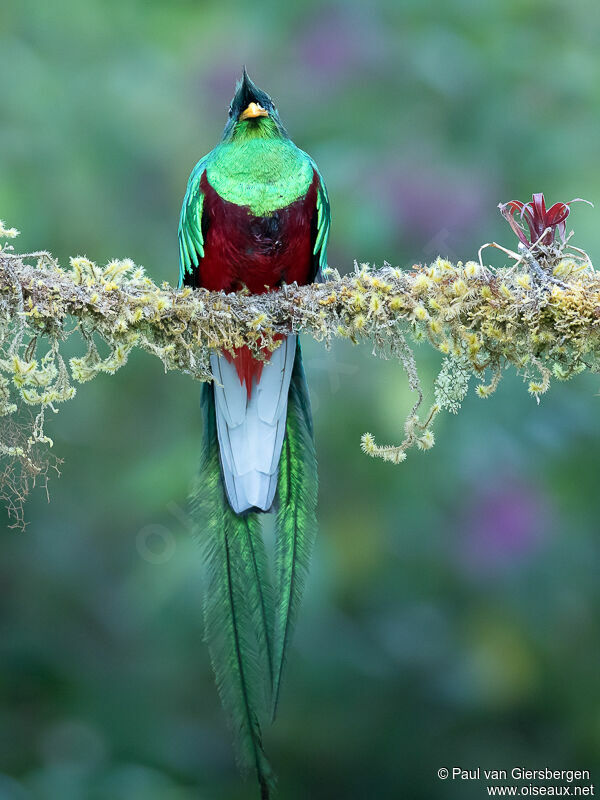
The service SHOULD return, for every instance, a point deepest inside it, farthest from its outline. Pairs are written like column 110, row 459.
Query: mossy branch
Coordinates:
column 544, row 321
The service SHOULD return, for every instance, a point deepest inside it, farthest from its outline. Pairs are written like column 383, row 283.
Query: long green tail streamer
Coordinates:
column 296, row 523
column 237, row 605
column 248, row 655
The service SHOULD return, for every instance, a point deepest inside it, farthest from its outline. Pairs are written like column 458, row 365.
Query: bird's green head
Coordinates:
column 252, row 114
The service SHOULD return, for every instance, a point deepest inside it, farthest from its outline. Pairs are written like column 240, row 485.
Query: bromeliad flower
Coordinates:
column 542, row 223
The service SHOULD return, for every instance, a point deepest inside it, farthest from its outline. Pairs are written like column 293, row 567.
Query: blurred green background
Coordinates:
column 451, row 617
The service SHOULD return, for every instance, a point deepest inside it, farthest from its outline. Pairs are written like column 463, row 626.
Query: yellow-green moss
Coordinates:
column 482, row 321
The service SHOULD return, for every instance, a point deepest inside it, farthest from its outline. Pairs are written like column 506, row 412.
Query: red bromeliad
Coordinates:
column 542, row 223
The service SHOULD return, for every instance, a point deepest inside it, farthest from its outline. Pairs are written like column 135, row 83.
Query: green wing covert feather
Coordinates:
column 191, row 240
column 323, row 221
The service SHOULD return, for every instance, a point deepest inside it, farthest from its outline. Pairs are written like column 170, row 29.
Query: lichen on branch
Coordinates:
column 541, row 316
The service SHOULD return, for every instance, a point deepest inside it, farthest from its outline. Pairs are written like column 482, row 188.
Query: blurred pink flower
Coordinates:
column 504, row 526
column 337, row 39
column 422, row 201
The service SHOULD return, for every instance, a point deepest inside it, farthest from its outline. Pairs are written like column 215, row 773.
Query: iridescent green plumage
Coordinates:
column 296, row 517
column 256, row 204
column 247, row 633
column 237, row 604
column 255, row 165
column 280, row 173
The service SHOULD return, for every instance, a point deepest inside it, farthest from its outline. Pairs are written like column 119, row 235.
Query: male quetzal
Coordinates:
column 255, row 215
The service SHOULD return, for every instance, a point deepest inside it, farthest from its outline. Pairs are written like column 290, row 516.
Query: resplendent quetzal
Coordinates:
column 255, row 215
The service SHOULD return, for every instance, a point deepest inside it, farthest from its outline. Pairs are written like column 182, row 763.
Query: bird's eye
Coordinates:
column 231, row 111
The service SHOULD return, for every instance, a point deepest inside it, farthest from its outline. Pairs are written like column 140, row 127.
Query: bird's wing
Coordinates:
column 322, row 222
column 191, row 237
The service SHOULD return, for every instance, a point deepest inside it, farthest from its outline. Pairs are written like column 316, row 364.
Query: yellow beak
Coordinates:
column 253, row 111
